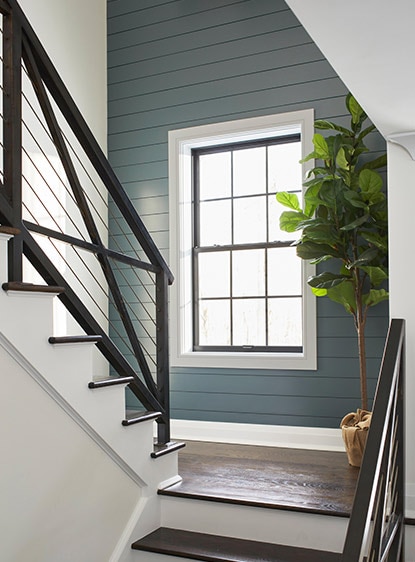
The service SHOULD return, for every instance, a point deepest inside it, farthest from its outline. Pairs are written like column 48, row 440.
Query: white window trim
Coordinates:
column 181, row 142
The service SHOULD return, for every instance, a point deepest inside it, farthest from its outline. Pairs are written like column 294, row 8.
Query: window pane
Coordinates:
column 215, row 175
column 284, row 272
column 249, row 322
column 284, row 322
column 248, row 273
column 284, row 169
column 214, row 322
column 250, row 223
column 214, row 274
column 274, row 211
column 215, row 223
column 249, row 171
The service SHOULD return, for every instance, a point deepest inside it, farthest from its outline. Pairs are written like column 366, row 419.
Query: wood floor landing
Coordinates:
column 314, row 481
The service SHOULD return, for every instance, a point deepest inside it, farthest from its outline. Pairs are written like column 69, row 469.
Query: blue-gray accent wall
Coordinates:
column 181, row 63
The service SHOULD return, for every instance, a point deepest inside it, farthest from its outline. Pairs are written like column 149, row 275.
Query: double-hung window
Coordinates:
column 240, row 297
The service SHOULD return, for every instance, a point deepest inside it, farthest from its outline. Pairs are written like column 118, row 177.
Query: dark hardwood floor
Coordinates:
column 301, row 480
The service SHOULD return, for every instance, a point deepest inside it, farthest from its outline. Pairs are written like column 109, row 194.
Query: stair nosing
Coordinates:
column 217, row 548
column 166, row 448
column 109, row 381
column 174, row 491
column 18, row 286
column 58, row 340
column 145, row 416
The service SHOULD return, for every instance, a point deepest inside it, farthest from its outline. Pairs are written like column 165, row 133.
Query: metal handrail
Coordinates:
column 24, row 58
column 376, row 527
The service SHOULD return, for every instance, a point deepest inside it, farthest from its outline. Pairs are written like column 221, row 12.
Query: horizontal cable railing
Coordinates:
column 78, row 228
column 376, row 527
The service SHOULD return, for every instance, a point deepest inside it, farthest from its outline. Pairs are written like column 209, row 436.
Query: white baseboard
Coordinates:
column 317, row 438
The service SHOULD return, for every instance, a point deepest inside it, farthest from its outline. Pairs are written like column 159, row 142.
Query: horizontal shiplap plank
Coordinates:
column 284, row 97
column 317, row 420
column 308, row 384
column 241, row 67
column 327, row 108
column 276, row 41
column 118, row 7
column 348, row 367
column 247, row 404
column 140, row 15
column 228, row 21
column 213, row 88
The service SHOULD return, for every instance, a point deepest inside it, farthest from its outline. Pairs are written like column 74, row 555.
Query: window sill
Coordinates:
column 249, row 360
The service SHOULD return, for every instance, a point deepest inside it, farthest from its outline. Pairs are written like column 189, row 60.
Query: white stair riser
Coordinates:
column 268, row 525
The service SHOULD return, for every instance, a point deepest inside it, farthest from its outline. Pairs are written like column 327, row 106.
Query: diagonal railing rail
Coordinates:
column 55, row 188
column 376, row 528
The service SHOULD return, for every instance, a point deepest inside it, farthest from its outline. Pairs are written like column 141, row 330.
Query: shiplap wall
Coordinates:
column 180, row 63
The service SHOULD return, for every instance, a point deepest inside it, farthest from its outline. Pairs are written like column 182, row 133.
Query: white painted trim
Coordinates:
column 181, row 142
column 68, row 409
column 405, row 140
column 315, row 438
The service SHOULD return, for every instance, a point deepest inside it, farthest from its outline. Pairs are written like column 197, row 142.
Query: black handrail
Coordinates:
column 23, row 55
column 376, row 527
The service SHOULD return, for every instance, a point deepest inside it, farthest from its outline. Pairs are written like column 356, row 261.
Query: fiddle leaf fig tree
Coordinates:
column 343, row 221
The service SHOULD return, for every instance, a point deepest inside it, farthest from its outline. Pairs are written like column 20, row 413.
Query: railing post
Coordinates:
column 162, row 343
column 12, row 135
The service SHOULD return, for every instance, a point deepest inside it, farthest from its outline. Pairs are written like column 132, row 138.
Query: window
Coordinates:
column 240, row 297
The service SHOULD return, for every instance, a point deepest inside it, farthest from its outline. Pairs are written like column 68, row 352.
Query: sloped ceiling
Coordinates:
column 371, row 45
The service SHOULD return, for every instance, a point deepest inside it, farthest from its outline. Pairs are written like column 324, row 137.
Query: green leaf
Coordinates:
column 377, row 240
column 322, row 124
column 319, row 292
column 375, row 296
column 355, row 109
column 376, row 163
column 356, row 223
column 289, row 200
column 364, row 258
column 370, row 182
column 355, row 199
column 341, row 160
column 326, row 280
column 290, row 220
column 313, row 251
column 321, row 233
column 376, row 274
column 344, row 294
column 321, row 148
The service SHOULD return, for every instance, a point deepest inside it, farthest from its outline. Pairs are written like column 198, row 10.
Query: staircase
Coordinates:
column 64, row 368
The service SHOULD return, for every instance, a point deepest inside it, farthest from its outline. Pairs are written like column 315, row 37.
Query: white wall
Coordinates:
column 74, row 36
column 62, row 497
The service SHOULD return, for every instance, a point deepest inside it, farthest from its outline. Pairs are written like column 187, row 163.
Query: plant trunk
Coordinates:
column 362, row 362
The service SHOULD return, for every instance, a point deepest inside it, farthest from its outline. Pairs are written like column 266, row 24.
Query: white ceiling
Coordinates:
column 371, row 45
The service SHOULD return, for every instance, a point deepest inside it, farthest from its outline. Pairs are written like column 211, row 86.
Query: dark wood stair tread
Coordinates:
column 9, row 230
column 75, row 339
column 109, row 381
column 165, row 448
column 214, row 548
column 31, row 287
column 140, row 417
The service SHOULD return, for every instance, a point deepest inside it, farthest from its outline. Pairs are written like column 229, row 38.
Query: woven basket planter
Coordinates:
column 355, row 428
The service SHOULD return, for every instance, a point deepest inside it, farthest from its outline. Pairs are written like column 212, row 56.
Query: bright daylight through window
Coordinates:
column 240, row 298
